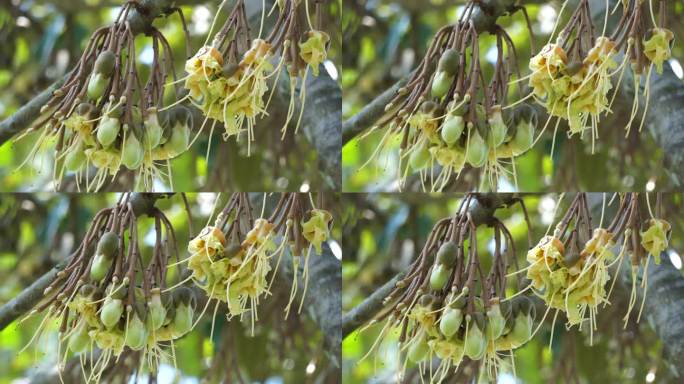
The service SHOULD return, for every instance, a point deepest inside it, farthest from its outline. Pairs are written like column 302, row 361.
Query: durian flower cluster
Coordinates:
column 232, row 94
column 103, row 121
column 233, row 273
column 109, row 299
column 451, row 333
column 228, row 79
column 449, row 119
column 100, row 140
column 574, row 283
column 577, row 92
column 573, row 76
column 108, row 324
column 570, row 273
column 235, row 269
column 447, row 310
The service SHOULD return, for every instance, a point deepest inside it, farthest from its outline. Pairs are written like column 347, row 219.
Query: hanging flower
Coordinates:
column 313, row 51
column 657, row 48
column 654, row 239
column 317, row 229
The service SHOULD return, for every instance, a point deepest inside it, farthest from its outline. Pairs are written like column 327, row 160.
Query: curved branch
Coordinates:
column 23, row 117
column 368, row 308
column 369, row 114
column 29, row 297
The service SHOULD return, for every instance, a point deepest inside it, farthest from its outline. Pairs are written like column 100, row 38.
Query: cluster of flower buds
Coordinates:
column 111, row 297
column 569, row 269
column 103, row 117
column 232, row 259
column 449, row 118
column 447, row 308
column 572, row 77
column 227, row 79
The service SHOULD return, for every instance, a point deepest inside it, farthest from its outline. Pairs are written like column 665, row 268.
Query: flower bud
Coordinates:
column 79, row 339
column 105, row 62
column 182, row 321
column 99, row 267
column 76, row 157
column 449, row 62
column 108, row 245
column 452, row 128
column 495, row 322
column 96, row 86
column 475, row 342
column 447, row 253
column 153, row 130
column 136, row 335
column 180, row 139
column 450, row 322
column 497, row 128
column 523, row 138
column 441, row 84
column 476, row 150
column 522, row 329
column 157, row 312
column 419, row 348
column 108, row 130
column 439, row 276
column 420, row 157
column 111, row 312
column 133, row 154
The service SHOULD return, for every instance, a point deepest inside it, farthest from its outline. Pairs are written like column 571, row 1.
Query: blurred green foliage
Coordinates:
column 386, row 39
column 383, row 233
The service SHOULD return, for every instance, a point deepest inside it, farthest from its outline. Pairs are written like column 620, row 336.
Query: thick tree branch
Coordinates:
column 323, row 301
column 322, row 125
column 368, row 308
column 365, row 118
column 23, row 117
column 664, row 118
column 29, row 297
column 33, row 294
column 664, row 310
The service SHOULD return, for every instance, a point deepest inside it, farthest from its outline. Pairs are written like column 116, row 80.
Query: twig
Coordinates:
column 29, row 297
column 367, row 309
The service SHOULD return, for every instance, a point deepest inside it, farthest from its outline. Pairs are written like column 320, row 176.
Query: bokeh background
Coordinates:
column 386, row 39
column 40, row 230
column 41, row 40
column 383, row 233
